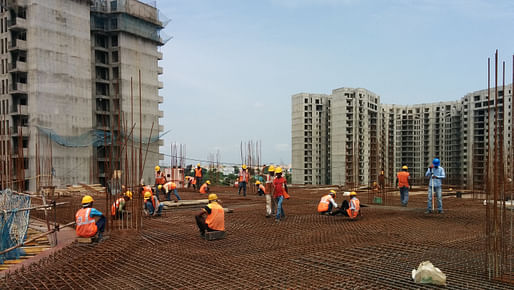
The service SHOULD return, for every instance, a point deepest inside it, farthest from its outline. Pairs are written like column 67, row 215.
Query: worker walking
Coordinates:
column 327, row 203
column 89, row 220
column 160, row 179
column 168, row 188
column 204, row 189
column 152, row 205
column 350, row 209
column 280, row 192
column 118, row 208
column 270, row 206
column 244, row 176
column 402, row 181
column 198, row 176
column 436, row 173
column 212, row 216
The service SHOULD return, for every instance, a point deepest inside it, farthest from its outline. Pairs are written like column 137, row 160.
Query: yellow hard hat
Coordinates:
column 271, row 168
column 405, row 167
column 353, row 193
column 244, row 166
column 157, row 168
column 333, row 192
column 257, row 182
column 278, row 170
column 128, row 194
column 198, row 165
column 451, row 189
column 212, row 196
column 87, row 199
column 159, row 187
column 208, row 182
column 148, row 195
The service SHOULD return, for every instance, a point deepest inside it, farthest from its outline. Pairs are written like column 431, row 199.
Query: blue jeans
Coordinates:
column 150, row 208
column 100, row 225
column 242, row 184
column 438, row 193
column 404, row 195
column 280, row 209
column 168, row 196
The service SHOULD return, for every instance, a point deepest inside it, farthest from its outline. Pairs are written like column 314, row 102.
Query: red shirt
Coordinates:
column 278, row 183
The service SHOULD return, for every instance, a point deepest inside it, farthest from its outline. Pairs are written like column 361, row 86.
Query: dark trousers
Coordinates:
column 343, row 209
column 202, row 225
column 242, row 185
column 198, row 183
column 100, row 225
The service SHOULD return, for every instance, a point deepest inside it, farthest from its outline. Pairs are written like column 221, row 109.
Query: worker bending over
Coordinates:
column 350, row 209
column 261, row 190
column 244, row 177
column 327, row 203
column 168, row 188
column 212, row 216
column 89, row 220
column 205, row 187
column 118, row 206
column 152, row 205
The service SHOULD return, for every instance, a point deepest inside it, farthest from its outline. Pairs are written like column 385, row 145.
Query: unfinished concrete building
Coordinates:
column 364, row 137
column 66, row 84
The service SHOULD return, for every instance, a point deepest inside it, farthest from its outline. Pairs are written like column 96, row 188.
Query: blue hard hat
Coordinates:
column 436, row 162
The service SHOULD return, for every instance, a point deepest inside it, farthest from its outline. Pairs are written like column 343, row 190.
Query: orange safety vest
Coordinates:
column 261, row 187
column 160, row 179
column 243, row 176
column 155, row 202
column 86, row 226
column 203, row 188
column 216, row 219
column 147, row 188
column 170, row 186
column 323, row 203
column 198, row 172
column 356, row 203
column 403, row 179
column 115, row 205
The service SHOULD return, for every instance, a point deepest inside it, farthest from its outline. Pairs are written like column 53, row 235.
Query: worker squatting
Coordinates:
column 91, row 223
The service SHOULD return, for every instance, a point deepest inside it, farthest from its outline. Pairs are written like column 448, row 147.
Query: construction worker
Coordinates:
column 152, row 205
column 204, row 189
column 280, row 192
column 168, row 187
column 327, row 203
column 261, row 190
column 436, row 174
column 89, row 220
column 160, row 179
column 381, row 180
column 212, row 216
column 145, row 188
column 350, row 209
column 402, row 182
column 198, row 176
column 244, row 177
column 118, row 206
column 270, row 206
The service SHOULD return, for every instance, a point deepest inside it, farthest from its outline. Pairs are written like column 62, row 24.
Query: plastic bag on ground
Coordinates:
column 428, row 274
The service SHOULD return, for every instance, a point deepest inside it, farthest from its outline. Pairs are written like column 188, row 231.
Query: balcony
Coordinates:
column 161, row 99
column 18, row 23
column 161, row 128
column 160, row 114
column 159, row 70
column 25, row 152
column 18, row 44
column 20, row 110
column 18, row 66
column 24, row 131
column 161, row 85
column 159, row 55
column 20, row 88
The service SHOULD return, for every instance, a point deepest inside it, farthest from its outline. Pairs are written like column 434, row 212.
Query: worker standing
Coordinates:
column 152, row 205
column 118, row 208
column 89, row 220
column 350, row 209
column 280, row 192
column 270, row 206
column 204, row 189
column 198, row 176
column 160, row 179
column 168, row 187
column 402, row 181
column 327, row 203
column 436, row 174
column 244, row 176
column 212, row 216
column 381, row 180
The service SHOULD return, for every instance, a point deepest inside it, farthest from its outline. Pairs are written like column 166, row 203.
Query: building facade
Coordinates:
column 66, row 77
column 362, row 137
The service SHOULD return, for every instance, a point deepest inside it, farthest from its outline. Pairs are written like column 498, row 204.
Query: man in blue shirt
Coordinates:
column 436, row 174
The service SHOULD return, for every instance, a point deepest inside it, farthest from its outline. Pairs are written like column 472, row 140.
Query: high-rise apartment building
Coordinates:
column 66, row 87
column 362, row 137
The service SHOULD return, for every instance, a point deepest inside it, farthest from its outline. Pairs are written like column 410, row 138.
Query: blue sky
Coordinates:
column 232, row 65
